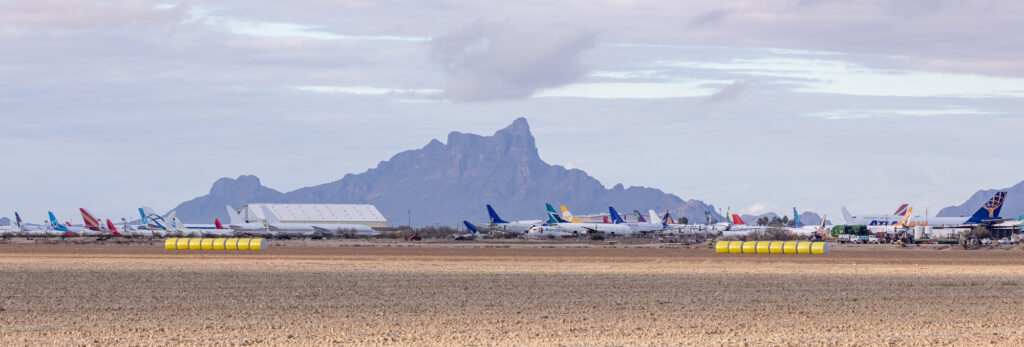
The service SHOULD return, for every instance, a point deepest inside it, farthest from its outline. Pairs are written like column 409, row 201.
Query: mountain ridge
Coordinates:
column 444, row 183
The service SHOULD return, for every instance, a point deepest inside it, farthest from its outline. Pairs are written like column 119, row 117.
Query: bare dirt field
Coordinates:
column 507, row 294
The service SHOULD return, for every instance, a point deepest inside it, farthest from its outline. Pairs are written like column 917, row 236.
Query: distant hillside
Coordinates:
column 445, row 183
column 5, row 221
column 1012, row 207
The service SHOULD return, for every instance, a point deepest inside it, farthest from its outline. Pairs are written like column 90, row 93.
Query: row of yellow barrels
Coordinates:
column 771, row 247
column 195, row 244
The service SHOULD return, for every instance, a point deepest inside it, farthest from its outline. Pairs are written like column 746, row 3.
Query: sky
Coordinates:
column 755, row 105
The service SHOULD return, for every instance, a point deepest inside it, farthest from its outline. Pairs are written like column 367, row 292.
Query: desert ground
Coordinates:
column 396, row 293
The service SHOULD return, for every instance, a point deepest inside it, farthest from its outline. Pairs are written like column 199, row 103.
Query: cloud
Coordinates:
column 58, row 17
column 756, row 209
column 729, row 92
column 709, row 18
column 493, row 61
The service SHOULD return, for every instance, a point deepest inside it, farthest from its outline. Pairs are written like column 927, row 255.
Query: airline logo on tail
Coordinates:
column 216, row 224
column 994, row 204
column 616, row 218
column 902, row 210
column 639, row 217
column 470, row 227
column 906, row 217
column 737, row 220
column 91, row 223
column 551, row 211
column 566, row 215
column 110, row 226
column 494, row 216
column 17, row 219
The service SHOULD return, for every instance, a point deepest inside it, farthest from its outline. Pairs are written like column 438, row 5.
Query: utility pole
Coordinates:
column 410, row 218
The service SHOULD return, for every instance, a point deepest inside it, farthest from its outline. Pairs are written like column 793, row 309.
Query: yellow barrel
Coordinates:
column 183, row 243
column 243, row 244
column 750, row 247
column 789, row 247
column 194, row 244
column 218, row 244
column 231, row 244
column 256, row 244
column 776, row 247
column 171, row 243
column 722, row 247
column 207, row 244
column 735, row 246
column 819, row 248
column 764, row 247
column 804, row 247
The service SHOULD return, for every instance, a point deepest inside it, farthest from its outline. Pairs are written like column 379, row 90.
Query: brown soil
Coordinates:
column 506, row 294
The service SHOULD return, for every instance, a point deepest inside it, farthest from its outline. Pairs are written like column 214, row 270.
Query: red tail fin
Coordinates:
column 737, row 220
column 216, row 223
column 605, row 219
column 112, row 228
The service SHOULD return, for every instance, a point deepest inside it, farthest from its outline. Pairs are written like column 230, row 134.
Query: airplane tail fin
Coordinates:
column 737, row 220
column 470, row 227
column 616, row 218
column 142, row 213
column 91, row 222
column 566, row 215
column 606, row 220
column 902, row 210
column 667, row 219
column 233, row 217
column 552, row 218
column 216, row 224
column 905, row 222
column 17, row 220
column 990, row 210
column 848, row 216
column 53, row 220
column 796, row 219
column 494, row 216
column 652, row 215
column 112, row 228
column 271, row 217
column 639, row 217
column 551, row 210
column 821, row 228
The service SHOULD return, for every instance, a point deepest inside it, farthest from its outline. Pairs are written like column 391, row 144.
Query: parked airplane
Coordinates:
column 739, row 228
column 554, row 221
column 878, row 219
column 553, row 231
column 515, row 228
column 641, row 227
column 304, row 229
column 671, row 228
column 987, row 214
column 800, row 229
column 239, row 225
column 473, row 234
column 68, row 229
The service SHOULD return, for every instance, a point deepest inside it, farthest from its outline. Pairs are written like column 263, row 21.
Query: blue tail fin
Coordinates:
column 796, row 219
column 990, row 210
column 470, row 227
column 666, row 219
column 17, row 219
column 640, row 217
column 616, row 218
column 551, row 212
column 56, row 224
column 143, row 215
column 552, row 218
column 494, row 216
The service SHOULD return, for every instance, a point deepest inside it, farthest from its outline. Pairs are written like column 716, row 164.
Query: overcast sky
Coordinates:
column 758, row 105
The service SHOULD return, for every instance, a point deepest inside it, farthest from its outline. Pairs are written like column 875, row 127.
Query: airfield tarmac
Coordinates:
column 506, row 294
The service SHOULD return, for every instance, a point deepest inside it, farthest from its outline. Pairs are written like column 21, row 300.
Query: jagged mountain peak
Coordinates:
column 445, row 183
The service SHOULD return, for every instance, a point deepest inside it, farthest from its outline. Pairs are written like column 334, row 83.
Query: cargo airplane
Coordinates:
column 305, row 230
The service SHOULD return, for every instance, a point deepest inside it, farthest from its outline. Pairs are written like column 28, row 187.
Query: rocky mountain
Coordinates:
column 444, row 183
column 5, row 221
column 1012, row 207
